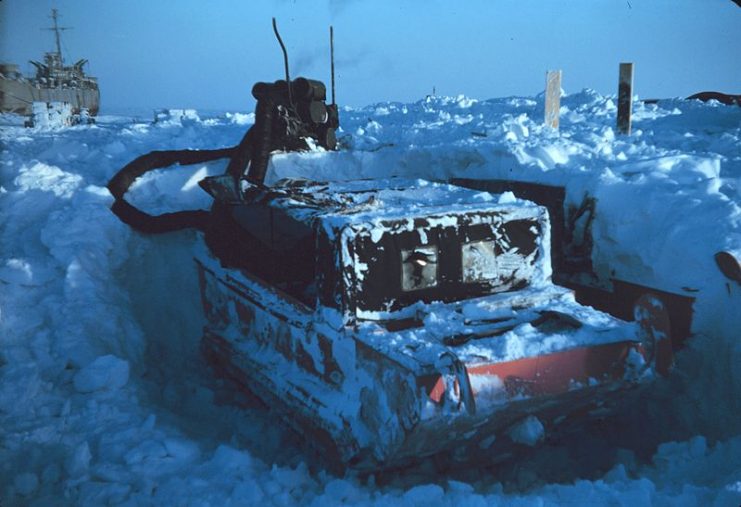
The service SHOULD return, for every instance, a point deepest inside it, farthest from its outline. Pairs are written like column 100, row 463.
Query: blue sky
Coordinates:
column 207, row 53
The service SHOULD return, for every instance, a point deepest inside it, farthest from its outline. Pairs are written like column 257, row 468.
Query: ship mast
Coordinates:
column 56, row 28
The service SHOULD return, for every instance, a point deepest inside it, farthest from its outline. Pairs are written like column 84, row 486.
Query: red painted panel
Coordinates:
column 550, row 373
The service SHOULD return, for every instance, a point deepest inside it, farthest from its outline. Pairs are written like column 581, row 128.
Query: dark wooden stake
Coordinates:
column 625, row 98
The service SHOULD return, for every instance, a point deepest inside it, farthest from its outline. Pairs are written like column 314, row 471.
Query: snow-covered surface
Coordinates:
column 388, row 199
column 50, row 115
column 176, row 116
column 105, row 399
column 440, row 321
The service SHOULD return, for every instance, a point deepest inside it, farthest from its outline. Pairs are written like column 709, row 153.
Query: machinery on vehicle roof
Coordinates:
column 389, row 320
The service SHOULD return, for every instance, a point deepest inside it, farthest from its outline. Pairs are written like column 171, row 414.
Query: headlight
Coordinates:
column 478, row 261
column 419, row 268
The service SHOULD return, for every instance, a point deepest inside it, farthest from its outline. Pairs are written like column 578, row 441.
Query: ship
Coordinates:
column 53, row 82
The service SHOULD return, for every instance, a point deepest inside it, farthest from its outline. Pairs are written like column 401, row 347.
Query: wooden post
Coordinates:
column 552, row 97
column 625, row 98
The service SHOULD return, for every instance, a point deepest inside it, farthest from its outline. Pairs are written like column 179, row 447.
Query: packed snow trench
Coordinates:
column 105, row 399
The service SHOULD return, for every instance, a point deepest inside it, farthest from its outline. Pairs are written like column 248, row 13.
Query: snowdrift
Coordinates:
column 105, row 399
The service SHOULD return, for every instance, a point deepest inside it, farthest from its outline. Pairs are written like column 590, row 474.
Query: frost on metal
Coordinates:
column 394, row 319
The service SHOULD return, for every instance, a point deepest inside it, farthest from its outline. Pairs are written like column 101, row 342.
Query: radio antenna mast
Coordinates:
column 331, row 58
column 56, row 29
column 285, row 61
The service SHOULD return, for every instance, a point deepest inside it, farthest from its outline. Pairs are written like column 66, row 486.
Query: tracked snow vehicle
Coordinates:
column 392, row 320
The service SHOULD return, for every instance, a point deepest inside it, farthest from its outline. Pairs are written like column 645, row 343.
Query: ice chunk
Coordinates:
column 176, row 116
column 26, row 484
column 228, row 458
column 48, row 179
column 342, row 490
column 16, row 271
column 507, row 198
column 51, row 474
column 181, row 449
column 149, row 450
column 51, row 115
column 529, row 431
column 428, row 494
column 78, row 464
column 105, row 372
column 241, row 118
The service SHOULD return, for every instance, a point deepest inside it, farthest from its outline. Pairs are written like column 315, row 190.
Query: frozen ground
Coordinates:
column 104, row 398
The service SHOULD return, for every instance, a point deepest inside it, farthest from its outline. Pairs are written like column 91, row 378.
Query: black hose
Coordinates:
column 242, row 156
column 167, row 222
column 263, row 136
column 274, row 128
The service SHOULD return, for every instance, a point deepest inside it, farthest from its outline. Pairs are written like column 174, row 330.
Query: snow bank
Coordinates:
column 104, row 397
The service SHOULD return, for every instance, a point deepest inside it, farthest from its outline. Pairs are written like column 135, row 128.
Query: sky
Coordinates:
column 207, row 54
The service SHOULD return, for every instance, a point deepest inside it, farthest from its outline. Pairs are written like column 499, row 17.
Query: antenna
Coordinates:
column 285, row 61
column 56, row 29
column 331, row 58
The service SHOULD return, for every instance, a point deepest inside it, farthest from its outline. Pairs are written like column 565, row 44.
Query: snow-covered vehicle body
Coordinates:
column 392, row 320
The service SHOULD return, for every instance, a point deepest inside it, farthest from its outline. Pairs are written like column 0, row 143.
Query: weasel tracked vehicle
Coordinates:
column 392, row 320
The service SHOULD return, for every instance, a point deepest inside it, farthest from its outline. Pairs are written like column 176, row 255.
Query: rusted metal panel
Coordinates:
column 545, row 195
column 625, row 98
column 620, row 302
column 389, row 282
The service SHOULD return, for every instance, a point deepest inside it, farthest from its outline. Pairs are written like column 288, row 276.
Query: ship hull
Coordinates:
column 17, row 96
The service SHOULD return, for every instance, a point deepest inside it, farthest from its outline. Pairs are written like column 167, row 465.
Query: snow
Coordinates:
column 529, row 431
column 105, row 372
column 104, row 397
column 170, row 117
column 51, row 115
column 241, row 118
